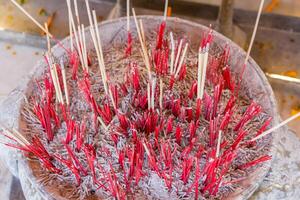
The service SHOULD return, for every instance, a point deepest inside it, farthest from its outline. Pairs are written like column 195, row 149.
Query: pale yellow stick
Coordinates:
column 102, row 123
column 70, row 25
column 254, row 30
column 277, row 126
column 128, row 14
column 30, row 17
column 75, row 33
column 177, row 56
column 160, row 94
column 144, row 49
column 153, row 87
column 101, row 61
column 48, row 38
column 112, row 99
column 63, row 71
column 149, row 95
column 166, row 9
column 76, row 13
column 172, row 53
column 204, row 65
column 182, row 59
column 199, row 74
column 142, row 31
column 89, row 13
column 58, row 85
column 219, row 144
column 84, row 48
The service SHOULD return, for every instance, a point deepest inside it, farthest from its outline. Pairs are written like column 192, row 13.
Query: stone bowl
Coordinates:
column 254, row 85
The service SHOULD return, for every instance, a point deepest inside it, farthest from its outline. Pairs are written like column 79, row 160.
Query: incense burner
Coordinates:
column 253, row 86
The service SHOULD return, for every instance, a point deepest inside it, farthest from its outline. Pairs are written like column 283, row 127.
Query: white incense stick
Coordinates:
column 102, row 123
column 144, row 49
column 63, row 71
column 16, row 136
column 57, row 83
column 172, row 53
column 254, row 30
column 277, row 126
column 53, row 79
column 178, row 55
column 142, row 31
column 199, row 74
column 161, row 93
column 76, row 12
column 166, row 9
column 30, row 17
column 153, row 87
column 149, row 95
column 89, row 13
column 101, row 61
column 70, row 25
column 85, row 56
column 204, row 65
column 128, row 14
column 181, row 60
column 48, row 38
column 75, row 32
column 219, row 144
column 112, row 99
column 81, row 48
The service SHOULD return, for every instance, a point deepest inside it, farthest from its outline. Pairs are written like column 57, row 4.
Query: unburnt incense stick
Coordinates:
column 277, row 126
column 30, row 17
column 254, row 31
column 128, row 14
column 166, row 9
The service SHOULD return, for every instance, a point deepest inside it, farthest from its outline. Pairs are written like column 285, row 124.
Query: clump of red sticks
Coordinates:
column 191, row 140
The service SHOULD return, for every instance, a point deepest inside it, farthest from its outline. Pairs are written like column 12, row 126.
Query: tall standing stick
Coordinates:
column 199, row 73
column 128, row 14
column 144, row 49
column 30, row 17
column 63, row 72
column 277, row 126
column 204, row 65
column 166, row 9
column 181, row 60
column 254, row 30
column 172, row 53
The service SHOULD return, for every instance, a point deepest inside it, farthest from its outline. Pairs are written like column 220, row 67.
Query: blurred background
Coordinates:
column 276, row 47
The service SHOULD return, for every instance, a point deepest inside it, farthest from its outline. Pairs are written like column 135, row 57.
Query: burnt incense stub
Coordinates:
column 149, row 137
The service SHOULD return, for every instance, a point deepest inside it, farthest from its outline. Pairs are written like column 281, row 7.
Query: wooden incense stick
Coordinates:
column 144, row 49
column 172, row 53
column 166, row 9
column 101, row 61
column 219, row 144
column 63, row 72
column 75, row 32
column 199, row 73
column 149, row 95
column 177, row 55
column 161, row 94
column 181, row 60
column 128, row 14
column 76, row 13
column 84, row 50
column 153, row 87
column 32, row 19
column 254, row 30
column 142, row 31
column 203, row 74
column 102, row 123
column 277, row 126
